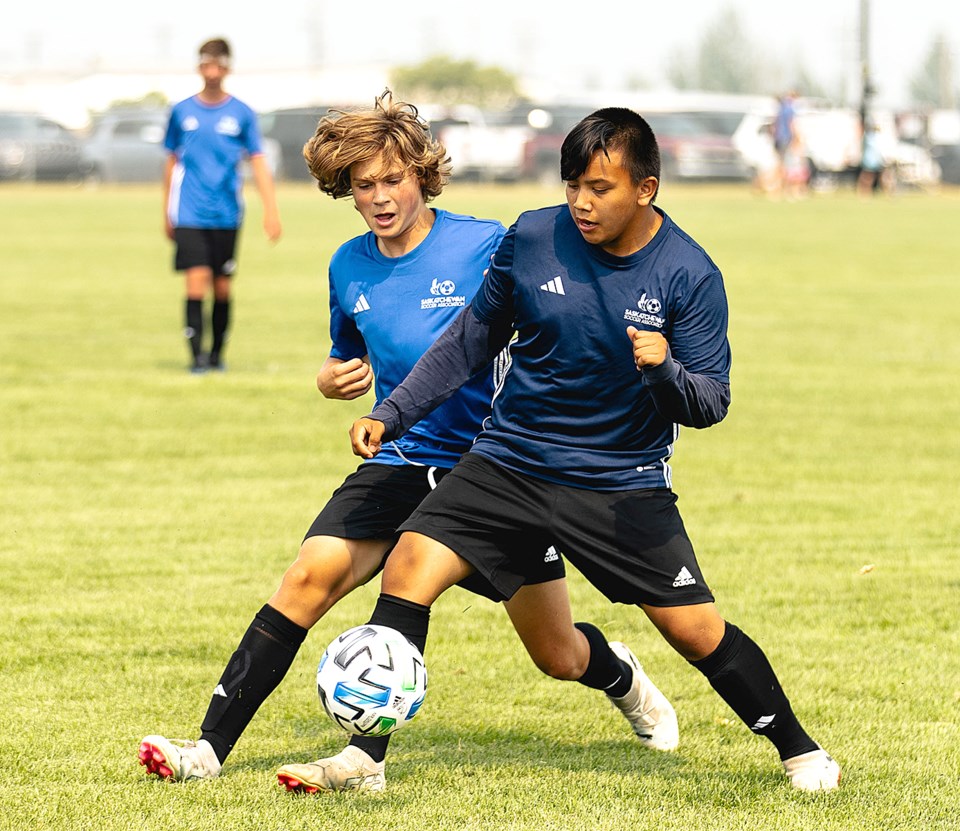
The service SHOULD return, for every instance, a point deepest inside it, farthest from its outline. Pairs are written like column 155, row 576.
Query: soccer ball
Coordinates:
column 371, row 680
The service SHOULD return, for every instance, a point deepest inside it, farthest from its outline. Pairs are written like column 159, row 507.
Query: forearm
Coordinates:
column 685, row 397
column 464, row 348
column 169, row 165
column 263, row 180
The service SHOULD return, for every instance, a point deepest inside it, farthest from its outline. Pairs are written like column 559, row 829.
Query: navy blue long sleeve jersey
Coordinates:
column 572, row 407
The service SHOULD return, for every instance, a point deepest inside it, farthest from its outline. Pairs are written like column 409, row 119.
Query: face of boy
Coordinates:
column 391, row 203
column 609, row 209
column 212, row 72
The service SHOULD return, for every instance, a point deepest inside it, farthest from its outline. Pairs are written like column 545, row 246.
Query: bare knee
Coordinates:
column 302, row 587
column 563, row 658
column 693, row 631
column 322, row 574
column 562, row 666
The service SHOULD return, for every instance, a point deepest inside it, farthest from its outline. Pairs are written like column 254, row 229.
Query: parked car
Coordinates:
column 126, row 146
column 694, row 149
column 548, row 124
column 483, row 145
column 33, row 147
column 690, row 149
column 285, row 132
column 947, row 157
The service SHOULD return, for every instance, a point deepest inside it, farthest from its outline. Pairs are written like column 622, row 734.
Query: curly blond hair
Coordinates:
column 395, row 129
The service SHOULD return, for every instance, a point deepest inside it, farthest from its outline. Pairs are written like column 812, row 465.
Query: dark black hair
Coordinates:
column 612, row 128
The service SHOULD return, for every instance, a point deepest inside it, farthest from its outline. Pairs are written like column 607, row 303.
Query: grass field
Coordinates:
column 146, row 514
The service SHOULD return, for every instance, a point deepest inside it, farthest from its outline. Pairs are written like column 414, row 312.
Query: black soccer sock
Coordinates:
column 605, row 671
column 220, row 321
column 194, row 327
column 739, row 671
column 410, row 619
column 262, row 659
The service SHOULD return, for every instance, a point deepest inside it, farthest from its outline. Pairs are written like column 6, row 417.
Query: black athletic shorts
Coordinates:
column 376, row 499
column 631, row 545
column 212, row 247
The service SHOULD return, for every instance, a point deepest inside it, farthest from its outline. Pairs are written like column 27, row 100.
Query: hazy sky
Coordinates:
column 599, row 44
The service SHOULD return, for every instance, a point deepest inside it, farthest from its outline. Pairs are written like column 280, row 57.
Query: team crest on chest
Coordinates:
column 228, row 126
column 647, row 312
column 443, row 295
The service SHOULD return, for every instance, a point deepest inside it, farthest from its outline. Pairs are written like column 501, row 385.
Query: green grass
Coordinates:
column 145, row 514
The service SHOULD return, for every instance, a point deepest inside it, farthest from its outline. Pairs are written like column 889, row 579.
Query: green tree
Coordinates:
column 728, row 61
column 723, row 61
column 935, row 84
column 443, row 80
column 155, row 100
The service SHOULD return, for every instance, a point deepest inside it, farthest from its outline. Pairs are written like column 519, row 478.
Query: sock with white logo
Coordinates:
column 262, row 659
column 410, row 619
column 739, row 671
column 605, row 671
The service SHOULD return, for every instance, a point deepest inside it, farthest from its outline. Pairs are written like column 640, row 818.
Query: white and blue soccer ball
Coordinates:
column 371, row 680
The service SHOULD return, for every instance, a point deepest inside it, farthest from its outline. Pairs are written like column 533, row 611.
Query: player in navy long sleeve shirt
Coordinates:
column 578, row 443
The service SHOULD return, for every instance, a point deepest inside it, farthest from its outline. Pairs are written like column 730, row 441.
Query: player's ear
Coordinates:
column 646, row 190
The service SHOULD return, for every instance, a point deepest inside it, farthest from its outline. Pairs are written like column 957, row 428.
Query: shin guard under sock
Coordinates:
column 410, row 619
column 605, row 671
column 262, row 659
column 739, row 671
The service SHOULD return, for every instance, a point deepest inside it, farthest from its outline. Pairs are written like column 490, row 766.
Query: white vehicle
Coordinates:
column 478, row 148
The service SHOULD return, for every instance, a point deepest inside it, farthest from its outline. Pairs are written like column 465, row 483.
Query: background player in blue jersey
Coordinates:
column 208, row 136
column 392, row 292
column 620, row 321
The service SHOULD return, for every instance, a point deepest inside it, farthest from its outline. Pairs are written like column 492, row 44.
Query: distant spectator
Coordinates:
column 873, row 167
column 766, row 178
column 784, row 132
column 796, row 170
column 208, row 136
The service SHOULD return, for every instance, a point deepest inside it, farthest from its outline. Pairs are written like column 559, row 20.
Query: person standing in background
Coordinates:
column 208, row 136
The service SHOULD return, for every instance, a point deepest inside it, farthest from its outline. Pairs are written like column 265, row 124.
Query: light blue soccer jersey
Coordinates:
column 209, row 141
column 393, row 309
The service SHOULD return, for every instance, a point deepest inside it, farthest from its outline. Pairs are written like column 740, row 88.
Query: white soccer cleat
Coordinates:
column 350, row 770
column 813, row 771
column 178, row 759
column 651, row 716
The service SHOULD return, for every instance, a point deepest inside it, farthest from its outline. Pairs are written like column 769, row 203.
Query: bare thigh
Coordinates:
column 326, row 570
column 420, row 569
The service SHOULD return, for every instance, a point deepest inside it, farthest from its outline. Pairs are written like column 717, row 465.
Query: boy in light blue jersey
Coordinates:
column 620, row 325
column 393, row 291
column 208, row 136
column 393, row 308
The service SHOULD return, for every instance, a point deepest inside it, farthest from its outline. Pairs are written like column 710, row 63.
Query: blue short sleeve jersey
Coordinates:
column 573, row 408
column 209, row 141
column 393, row 309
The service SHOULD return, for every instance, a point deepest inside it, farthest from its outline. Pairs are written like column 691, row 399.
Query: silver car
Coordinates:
column 126, row 146
column 33, row 147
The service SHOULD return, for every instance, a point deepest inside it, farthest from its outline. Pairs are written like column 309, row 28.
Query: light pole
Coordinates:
column 866, row 89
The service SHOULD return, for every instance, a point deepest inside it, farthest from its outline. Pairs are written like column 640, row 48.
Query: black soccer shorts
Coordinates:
column 376, row 499
column 211, row 247
column 631, row 545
